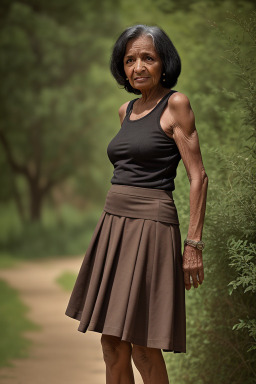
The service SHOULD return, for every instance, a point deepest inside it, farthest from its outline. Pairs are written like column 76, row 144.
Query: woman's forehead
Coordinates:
column 141, row 43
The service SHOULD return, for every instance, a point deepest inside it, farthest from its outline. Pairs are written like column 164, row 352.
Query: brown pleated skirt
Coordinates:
column 130, row 283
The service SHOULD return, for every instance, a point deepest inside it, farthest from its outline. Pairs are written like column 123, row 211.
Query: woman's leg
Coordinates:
column 151, row 364
column 117, row 357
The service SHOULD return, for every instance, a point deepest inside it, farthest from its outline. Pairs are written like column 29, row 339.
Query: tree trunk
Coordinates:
column 36, row 199
column 18, row 201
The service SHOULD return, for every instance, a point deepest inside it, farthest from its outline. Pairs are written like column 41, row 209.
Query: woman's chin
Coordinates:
column 145, row 86
column 142, row 86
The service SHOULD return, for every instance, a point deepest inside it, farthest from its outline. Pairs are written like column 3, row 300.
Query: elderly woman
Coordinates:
column 131, row 285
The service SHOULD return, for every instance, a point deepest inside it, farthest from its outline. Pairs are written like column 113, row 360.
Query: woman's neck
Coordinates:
column 152, row 95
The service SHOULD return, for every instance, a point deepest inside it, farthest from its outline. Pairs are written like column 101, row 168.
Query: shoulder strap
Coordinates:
column 167, row 96
column 164, row 102
column 129, row 107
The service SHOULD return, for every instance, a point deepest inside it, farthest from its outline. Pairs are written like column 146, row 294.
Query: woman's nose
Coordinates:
column 138, row 66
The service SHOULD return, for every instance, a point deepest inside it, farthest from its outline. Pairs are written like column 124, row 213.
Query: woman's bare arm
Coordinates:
column 186, row 138
column 122, row 111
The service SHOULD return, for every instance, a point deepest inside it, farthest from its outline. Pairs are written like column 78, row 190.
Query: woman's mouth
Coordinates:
column 140, row 78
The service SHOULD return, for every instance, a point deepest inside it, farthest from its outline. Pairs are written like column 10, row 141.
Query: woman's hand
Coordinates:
column 192, row 266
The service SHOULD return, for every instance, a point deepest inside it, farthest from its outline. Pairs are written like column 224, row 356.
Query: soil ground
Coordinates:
column 59, row 353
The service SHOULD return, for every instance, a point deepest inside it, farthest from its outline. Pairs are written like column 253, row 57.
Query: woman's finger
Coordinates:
column 194, row 278
column 187, row 280
column 201, row 275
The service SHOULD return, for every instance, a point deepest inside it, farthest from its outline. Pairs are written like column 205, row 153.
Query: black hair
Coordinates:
column 164, row 47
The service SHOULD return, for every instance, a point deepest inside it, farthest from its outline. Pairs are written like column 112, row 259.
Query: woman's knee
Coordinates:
column 115, row 350
column 144, row 356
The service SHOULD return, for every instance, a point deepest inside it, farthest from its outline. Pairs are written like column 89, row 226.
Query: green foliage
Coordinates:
column 243, row 260
column 13, row 323
column 241, row 55
column 48, row 91
column 63, row 233
column 211, row 311
column 250, row 325
column 6, row 260
column 67, row 280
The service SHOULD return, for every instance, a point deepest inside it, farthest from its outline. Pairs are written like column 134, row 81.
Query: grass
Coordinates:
column 67, row 280
column 13, row 324
column 7, row 260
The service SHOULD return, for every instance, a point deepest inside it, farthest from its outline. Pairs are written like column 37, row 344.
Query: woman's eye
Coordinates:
column 128, row 61
column 149, row 58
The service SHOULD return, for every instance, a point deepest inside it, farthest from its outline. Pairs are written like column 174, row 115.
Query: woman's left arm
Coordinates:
column 186, row 138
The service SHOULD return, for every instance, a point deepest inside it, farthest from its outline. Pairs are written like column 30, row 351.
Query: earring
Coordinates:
column 163, row 76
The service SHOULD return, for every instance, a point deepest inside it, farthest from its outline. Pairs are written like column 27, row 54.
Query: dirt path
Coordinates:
column 59, row 354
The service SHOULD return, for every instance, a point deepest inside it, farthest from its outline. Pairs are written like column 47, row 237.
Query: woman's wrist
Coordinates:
column 199, row 244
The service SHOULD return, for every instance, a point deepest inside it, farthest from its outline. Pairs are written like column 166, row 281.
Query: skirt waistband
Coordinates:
column 138, row 202
column 141, row 191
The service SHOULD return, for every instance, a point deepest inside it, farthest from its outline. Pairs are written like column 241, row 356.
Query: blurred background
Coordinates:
column 59, row 110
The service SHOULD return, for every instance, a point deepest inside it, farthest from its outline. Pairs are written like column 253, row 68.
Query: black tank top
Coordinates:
column 143, row 155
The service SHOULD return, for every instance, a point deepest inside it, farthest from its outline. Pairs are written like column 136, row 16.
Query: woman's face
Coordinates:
column 142, row 64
